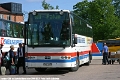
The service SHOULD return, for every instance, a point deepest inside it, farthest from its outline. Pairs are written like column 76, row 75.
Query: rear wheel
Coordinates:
column 40, row 69
column 90, row 57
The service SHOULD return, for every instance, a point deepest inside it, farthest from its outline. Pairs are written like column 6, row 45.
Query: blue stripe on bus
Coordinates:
column 58, row 61
column 97, row 54
column 84, row 56
column 71, row 60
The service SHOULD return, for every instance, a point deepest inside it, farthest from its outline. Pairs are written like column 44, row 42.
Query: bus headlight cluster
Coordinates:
column 30, row 57
column 65, row 57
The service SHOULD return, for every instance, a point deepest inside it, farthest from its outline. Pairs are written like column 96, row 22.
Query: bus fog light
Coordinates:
column 69, row 57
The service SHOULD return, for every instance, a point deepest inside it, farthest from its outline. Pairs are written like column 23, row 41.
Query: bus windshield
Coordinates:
column 49, row 29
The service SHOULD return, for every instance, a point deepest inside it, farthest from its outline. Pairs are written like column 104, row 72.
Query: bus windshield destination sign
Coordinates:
column 48, row 16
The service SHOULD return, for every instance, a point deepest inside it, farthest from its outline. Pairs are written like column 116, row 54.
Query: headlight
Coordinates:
column 65, row 57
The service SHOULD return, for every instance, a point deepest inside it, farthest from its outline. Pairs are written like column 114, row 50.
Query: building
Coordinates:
column 11, row 11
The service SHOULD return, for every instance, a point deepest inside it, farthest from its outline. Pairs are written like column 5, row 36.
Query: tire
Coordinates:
column 119, row 61
column 110, row 61
column 88, row 63
column 40, row 69
column 73, row 69
column 90, row 58
column 113, row 61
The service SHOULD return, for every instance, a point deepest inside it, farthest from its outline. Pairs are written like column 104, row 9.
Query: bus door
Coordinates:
column 26, row 55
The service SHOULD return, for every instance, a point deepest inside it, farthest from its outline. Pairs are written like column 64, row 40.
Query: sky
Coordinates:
column 30, row 5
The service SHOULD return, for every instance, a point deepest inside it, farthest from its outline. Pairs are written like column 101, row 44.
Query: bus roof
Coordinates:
column 11, row 21
column 111, row 39
column 118, row 38
column 101, row 40
column 51, row 10
column 21, row 22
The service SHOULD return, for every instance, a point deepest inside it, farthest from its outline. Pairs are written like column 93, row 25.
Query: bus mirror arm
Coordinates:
column 33, row 46
column 73, row 45
column 74, row 42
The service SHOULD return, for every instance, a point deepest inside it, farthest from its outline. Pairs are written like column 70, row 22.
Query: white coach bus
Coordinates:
column 57, row 39
column 11, row 33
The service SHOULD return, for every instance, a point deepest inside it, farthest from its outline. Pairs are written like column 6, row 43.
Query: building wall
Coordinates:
column 19, row 18
column 11, row 17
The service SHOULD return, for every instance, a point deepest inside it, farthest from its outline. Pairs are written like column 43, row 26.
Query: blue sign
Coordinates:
column 14, row 42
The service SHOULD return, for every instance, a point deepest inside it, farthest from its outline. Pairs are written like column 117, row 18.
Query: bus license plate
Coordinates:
column 47, row 64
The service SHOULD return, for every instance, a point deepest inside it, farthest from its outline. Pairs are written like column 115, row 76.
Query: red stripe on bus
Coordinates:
column 72, row 54
column 52, row 54
column 84, row 52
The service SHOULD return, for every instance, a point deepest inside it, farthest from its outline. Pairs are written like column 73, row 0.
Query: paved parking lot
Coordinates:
column 95, row 71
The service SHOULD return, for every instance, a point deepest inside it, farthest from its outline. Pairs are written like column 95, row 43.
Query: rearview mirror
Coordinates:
column 74, row 39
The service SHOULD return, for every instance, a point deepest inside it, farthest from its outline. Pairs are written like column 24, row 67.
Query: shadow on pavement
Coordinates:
column 51, row 72
column 47, row 72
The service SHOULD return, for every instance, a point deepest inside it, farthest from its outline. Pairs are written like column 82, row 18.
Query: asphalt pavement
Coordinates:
column 95, row 71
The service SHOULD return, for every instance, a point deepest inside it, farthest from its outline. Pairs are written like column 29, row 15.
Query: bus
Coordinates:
column 11, row 33
column 57, row 39
column 113, row 44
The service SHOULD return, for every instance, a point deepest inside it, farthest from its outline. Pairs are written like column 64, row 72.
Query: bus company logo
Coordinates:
column 10, row 41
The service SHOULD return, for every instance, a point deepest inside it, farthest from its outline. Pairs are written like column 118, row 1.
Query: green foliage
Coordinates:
column 116, row 4
column 57, row 7
column 45, row 5
column 100, row 13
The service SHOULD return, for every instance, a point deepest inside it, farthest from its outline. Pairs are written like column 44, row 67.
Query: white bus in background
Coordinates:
column 57, row 39
column 11, row 33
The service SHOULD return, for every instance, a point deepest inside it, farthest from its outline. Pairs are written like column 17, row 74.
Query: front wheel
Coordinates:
column 77, row 65
column 89, row 60
column 40, row 69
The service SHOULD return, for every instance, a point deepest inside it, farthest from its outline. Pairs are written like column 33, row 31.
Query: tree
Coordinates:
column 45, row 5
column 57, row 7
column 116, row 4
column 100, row 13
column 81, row 9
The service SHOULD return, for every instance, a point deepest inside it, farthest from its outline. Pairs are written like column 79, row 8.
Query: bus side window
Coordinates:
column 15, row 28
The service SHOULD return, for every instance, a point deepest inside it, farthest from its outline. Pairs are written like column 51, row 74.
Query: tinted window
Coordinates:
column 10, row 29
column 49, row 29
column 81, row 26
